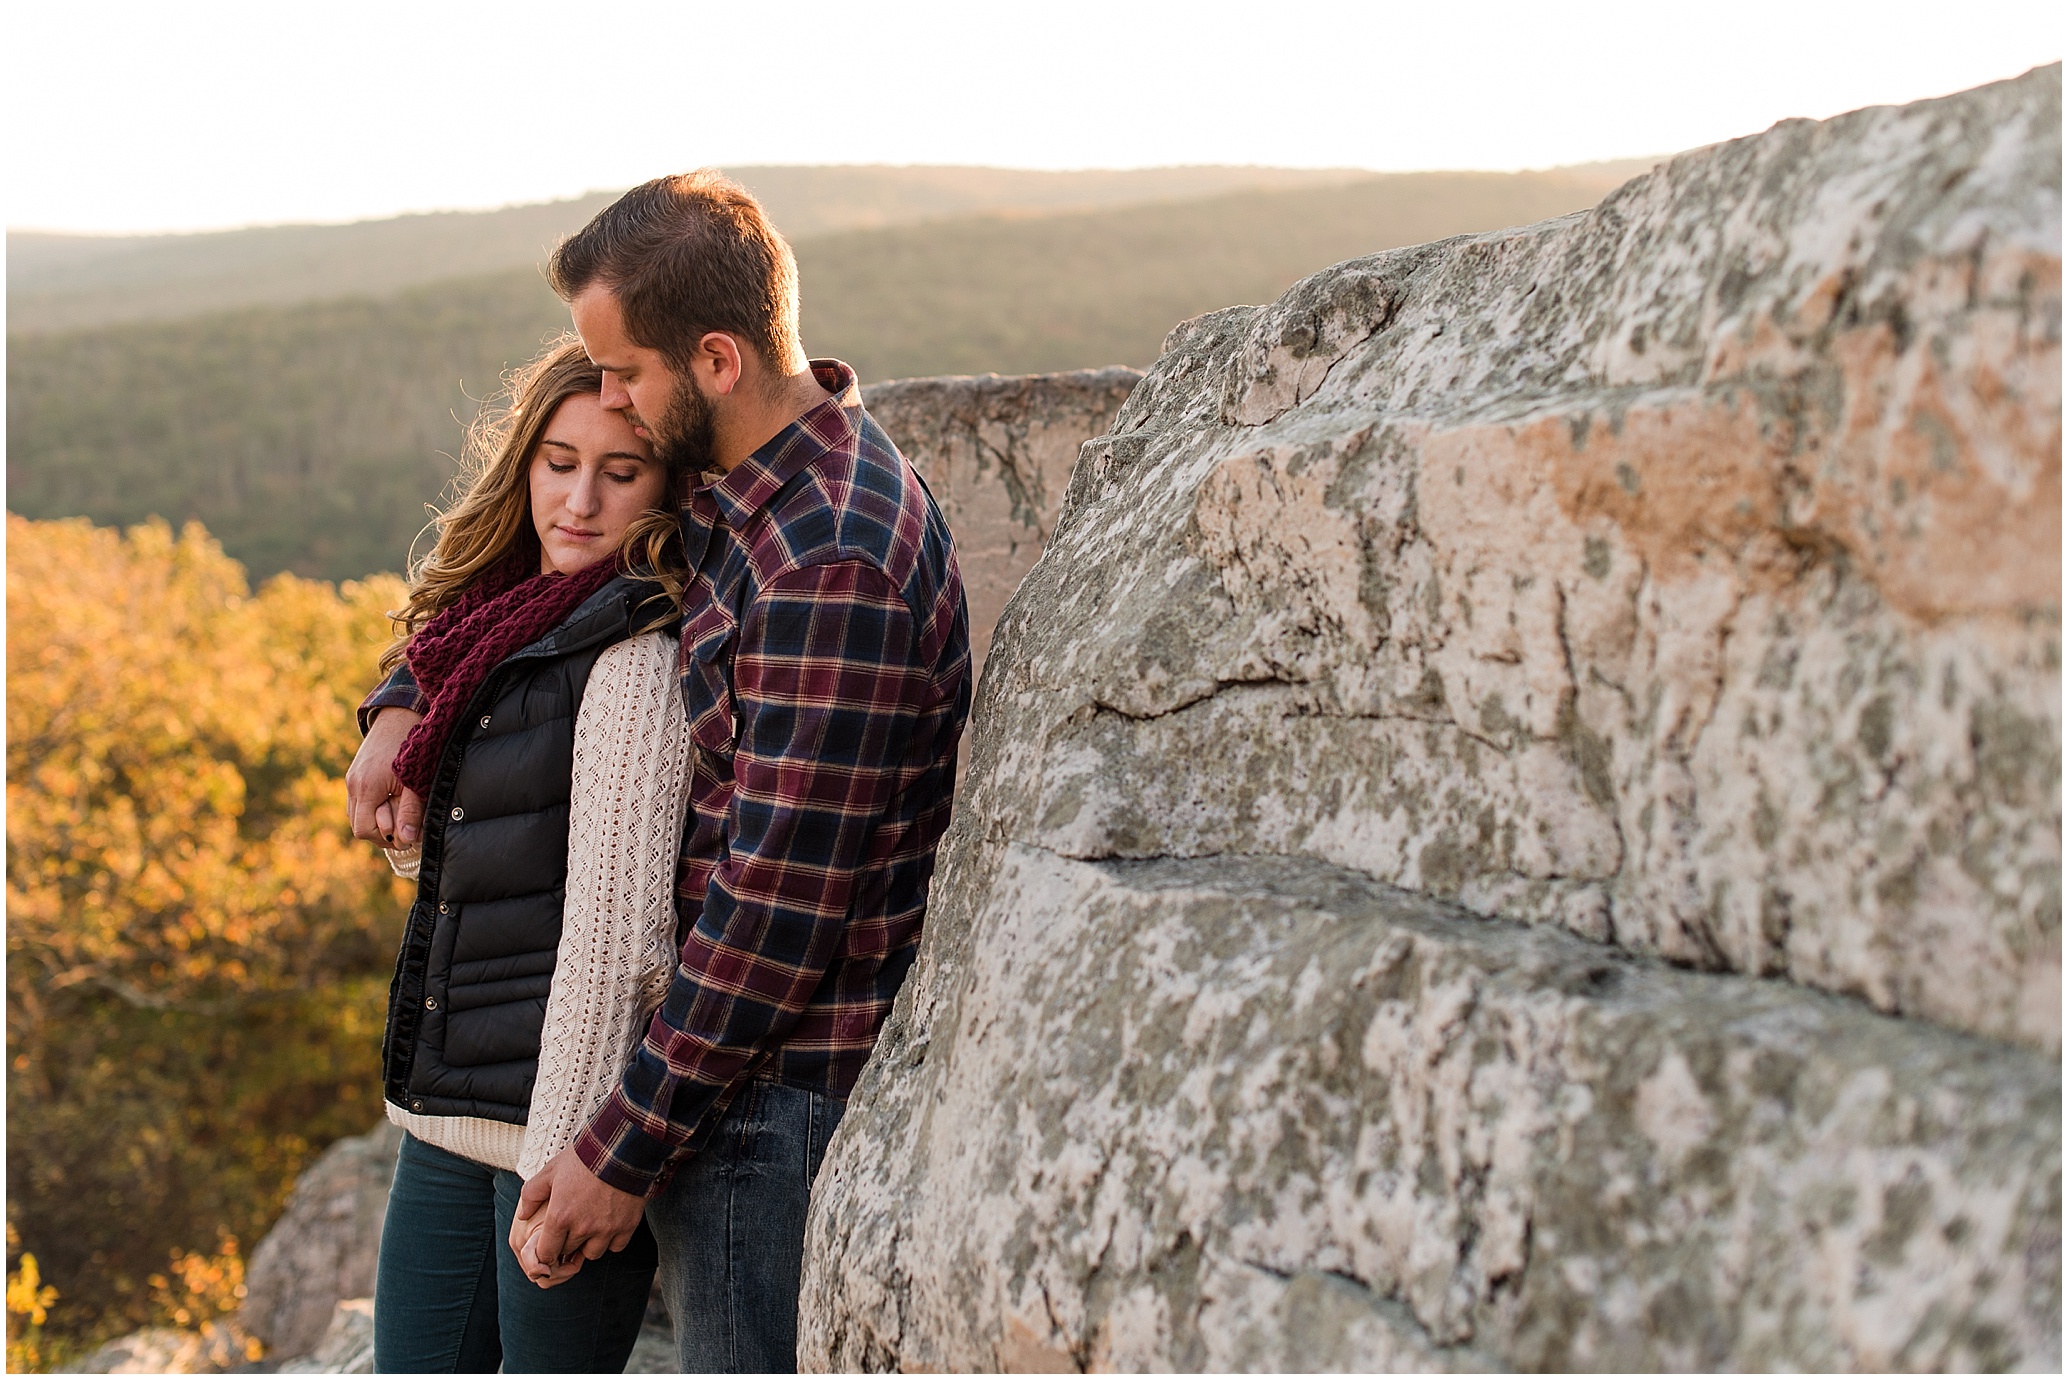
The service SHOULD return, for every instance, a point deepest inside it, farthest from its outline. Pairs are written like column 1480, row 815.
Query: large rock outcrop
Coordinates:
column 1517, row 822
column 997, row 453
column 325, row 1246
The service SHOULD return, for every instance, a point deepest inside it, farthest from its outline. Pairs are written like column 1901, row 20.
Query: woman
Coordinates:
column 553, row 760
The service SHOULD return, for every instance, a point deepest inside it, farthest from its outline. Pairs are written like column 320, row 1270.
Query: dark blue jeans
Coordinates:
column 449, row 1295
column 731, row 1230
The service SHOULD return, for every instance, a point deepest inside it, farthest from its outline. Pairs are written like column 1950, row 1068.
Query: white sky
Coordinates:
column 151, row 116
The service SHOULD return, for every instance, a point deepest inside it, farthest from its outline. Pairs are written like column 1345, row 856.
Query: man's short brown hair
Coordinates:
column 686, row 255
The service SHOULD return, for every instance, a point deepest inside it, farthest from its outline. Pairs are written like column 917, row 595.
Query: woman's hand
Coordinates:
column 537, row 1271
column 565, row 1215
column 382, row 809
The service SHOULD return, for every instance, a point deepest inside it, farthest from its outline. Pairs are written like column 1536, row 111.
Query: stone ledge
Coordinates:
column 1170, row 1092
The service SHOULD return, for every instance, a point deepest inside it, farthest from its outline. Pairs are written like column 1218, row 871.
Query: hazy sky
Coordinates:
column 134, row 116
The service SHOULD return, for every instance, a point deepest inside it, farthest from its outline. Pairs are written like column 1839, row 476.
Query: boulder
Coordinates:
column 997, row 454
column 324, row 1247
column 346, row 1347
column 1517, row 821
column 168, row 1351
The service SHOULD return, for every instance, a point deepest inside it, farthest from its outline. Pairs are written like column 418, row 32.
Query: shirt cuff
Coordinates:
column 390, row 696
column 619, row 1151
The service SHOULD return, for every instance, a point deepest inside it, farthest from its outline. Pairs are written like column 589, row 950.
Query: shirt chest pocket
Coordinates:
column 708, row 641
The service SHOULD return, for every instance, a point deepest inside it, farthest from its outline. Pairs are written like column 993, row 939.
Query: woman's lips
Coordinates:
column 577, row 533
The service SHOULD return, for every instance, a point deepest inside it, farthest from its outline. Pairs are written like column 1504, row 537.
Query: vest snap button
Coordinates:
column 430, row 1003
column 484, row 721
column 458, row 813
column 416, row 1104
column 444, row 909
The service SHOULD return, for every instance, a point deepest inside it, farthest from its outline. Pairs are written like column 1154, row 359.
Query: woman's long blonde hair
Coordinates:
column 489, row 518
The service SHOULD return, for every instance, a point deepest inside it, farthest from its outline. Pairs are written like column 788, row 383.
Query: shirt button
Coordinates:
column 458, row 813
column 484, row 721
column 430, row 1003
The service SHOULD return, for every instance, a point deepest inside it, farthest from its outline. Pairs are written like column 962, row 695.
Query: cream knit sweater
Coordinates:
column 617, row 934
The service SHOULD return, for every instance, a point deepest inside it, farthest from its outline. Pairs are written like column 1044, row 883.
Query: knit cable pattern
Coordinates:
column 617, row 934
column 454, row 652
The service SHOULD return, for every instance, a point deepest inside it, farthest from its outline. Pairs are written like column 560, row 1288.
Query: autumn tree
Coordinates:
column 197, row 949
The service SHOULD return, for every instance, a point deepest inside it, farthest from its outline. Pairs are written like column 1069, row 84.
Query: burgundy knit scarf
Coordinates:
column 453, row 652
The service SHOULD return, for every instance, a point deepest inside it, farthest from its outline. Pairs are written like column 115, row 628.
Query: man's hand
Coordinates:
column 383, row 810
column 580, row 1217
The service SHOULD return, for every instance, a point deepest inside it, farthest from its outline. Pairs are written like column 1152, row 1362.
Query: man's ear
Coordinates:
column 721, row 356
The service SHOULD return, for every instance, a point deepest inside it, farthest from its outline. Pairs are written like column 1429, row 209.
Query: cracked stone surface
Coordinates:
column 997, row 452
column 1245, row 1113
column 1517, row 821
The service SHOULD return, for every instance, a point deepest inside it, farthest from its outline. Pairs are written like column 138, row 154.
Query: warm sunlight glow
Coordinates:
column 131, row 117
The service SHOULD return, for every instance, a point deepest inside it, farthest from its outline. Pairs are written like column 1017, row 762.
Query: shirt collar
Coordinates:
column 830, row 426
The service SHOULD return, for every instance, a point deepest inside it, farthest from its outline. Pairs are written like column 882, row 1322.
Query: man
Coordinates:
column 825, row 671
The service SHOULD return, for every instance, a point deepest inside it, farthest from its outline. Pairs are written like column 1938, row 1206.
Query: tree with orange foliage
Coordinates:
column 197, row 949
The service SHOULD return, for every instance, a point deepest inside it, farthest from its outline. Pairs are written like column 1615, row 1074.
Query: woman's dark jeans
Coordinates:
column 731, row 1230
column 449, row 1296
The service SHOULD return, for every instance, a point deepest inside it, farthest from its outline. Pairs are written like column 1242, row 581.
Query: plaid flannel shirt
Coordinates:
column 825, row 670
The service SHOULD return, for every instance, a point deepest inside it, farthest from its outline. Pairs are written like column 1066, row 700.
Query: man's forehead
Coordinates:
column 597, row 318
column 600, row 323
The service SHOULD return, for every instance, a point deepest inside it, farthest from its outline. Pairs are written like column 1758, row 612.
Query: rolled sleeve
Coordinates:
column 827, row 691
column 398, row 691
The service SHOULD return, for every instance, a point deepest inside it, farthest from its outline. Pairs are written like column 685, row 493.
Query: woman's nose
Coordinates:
column 586, row 500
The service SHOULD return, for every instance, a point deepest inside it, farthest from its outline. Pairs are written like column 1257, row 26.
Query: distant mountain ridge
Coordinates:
column 66, row 282
column 58, row 282
column 310, row 436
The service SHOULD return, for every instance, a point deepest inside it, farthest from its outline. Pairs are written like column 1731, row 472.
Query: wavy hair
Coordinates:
column 489, row 517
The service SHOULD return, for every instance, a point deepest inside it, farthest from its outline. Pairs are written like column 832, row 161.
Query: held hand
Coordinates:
column 382, row 809
column 543, row 1275
column 578, row 1217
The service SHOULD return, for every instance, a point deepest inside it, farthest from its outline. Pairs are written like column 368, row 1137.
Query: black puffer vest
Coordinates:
column 469, row 996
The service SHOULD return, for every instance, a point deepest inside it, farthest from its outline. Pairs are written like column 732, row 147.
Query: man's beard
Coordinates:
column 683, row 435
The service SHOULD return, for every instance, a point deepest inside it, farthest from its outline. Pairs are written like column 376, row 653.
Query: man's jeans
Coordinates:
column 731, row 1230
column 449, row 1296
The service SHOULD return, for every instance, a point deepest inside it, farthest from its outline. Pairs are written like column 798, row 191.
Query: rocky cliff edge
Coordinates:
column 1517, row 822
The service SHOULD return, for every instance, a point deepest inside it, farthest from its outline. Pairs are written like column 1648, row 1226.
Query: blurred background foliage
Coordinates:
column 196, row 948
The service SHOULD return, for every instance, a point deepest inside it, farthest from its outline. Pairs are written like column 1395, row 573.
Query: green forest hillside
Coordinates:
column 309, row 438
column 989, row 294
column 67, row 282
column 305, row 438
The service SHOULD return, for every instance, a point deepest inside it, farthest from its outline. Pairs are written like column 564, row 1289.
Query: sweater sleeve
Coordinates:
column 617, row 932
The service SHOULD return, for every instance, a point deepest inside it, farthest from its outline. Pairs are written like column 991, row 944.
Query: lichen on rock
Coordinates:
column 1517, row 820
